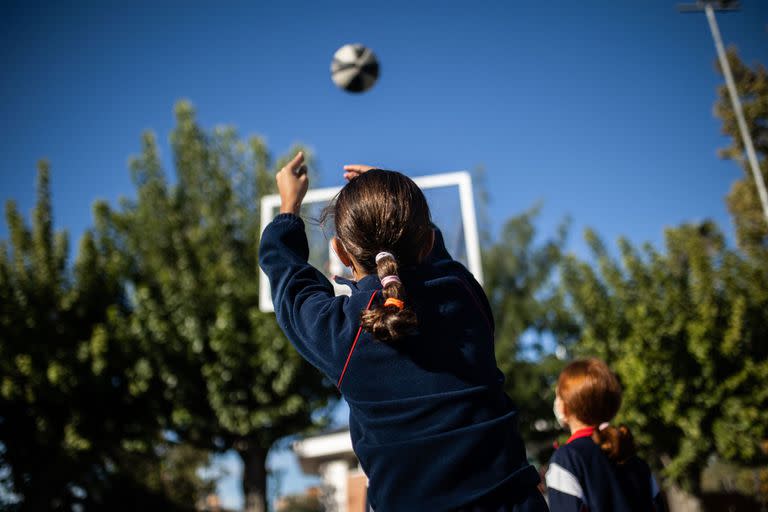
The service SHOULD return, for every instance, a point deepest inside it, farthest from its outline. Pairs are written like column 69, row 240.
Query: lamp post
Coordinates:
column 709, row 7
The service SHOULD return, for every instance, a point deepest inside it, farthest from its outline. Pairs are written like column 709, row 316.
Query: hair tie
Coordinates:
column 387, row 280
column 604, row 425
column 394, row 302
column 382, row 255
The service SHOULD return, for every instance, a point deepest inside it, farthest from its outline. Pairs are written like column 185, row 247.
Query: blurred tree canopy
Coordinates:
column 686, row 331
column 154, row 334
column 520, row 280
column 79, row 419
column 188, row 252
column 686, row 328
column 743, row 200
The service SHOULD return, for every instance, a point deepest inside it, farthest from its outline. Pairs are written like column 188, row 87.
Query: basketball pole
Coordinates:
column 746, row 137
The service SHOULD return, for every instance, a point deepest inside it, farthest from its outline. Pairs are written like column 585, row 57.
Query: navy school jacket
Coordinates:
column 429, row 421
column 581, row 478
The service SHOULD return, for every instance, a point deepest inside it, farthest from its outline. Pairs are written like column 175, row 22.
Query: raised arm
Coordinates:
column 312, row 318
column 307, row 310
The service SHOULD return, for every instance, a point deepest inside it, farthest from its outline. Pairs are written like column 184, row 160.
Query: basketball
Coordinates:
column 354, row 68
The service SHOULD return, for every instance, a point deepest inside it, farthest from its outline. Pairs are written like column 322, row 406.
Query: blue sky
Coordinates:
column 600, row 109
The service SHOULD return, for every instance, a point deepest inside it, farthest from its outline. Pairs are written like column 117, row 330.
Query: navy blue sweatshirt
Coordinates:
column 429, row 420
column 581, row 478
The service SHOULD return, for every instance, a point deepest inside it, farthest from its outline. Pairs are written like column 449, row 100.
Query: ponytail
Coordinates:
column 393, row 318
column 618, row 444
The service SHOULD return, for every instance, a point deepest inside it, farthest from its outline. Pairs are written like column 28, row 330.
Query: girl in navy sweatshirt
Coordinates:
column 597, row 470
column 411, row 350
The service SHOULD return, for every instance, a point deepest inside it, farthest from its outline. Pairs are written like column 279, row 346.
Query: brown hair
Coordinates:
column 592, row 393
column 384, row 211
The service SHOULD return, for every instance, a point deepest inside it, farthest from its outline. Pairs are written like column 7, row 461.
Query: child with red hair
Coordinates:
column 597, row 469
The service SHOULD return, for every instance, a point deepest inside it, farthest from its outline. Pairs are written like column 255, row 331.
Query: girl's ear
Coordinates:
column 341, row 252
column 428, row 247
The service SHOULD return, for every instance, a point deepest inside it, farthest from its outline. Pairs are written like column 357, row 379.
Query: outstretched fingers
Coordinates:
column 292, row 184
column 296, row 165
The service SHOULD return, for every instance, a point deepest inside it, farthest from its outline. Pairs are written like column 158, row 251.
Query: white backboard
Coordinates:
column 451, row 203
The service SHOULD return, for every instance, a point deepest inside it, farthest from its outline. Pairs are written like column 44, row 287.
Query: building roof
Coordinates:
column 316, row 450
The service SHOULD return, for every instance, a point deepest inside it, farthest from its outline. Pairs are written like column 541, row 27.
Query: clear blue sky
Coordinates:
column 602, row 109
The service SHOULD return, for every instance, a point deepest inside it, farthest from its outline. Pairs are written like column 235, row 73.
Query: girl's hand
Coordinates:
column 353, row 171
column 292, row 183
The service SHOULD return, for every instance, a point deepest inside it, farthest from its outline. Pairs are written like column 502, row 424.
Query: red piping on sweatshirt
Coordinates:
column 354, row 343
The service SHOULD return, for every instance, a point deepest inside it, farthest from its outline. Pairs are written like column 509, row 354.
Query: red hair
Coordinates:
column 592, row 393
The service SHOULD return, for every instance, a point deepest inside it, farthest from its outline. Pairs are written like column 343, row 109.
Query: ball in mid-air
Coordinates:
column 354, row 68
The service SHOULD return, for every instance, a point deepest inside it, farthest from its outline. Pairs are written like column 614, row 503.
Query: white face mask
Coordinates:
column 557, row 408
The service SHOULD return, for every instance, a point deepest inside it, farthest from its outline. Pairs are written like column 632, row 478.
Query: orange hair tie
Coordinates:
column 394, row 302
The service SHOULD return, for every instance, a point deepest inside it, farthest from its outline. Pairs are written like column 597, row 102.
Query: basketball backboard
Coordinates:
column 451, row 202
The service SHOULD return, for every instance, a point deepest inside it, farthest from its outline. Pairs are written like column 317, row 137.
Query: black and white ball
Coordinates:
column 354, row 68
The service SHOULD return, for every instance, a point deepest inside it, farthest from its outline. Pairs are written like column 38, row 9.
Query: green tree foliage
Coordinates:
column 520, row 281
column 78, row 418
column 743, row 200
column 189, row 252
column 686, row 331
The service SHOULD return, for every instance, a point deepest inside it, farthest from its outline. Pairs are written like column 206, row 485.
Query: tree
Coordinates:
column 686, row 331
column 78, row 419
column 521, row 287
column 743, row 200
column 189, row 253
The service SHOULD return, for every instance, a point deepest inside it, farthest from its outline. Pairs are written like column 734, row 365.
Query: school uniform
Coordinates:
column 581, row 478
column 429, row 420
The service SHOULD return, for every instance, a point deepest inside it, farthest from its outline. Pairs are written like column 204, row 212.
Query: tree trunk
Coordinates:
column 254, row 478
column 680, row 500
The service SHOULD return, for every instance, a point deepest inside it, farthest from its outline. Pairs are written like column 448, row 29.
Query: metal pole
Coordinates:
column 745, row 136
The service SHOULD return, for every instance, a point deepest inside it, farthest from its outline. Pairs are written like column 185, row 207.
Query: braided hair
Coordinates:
column 384, row 213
